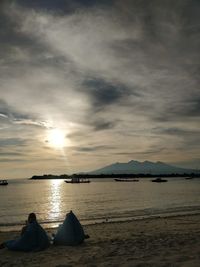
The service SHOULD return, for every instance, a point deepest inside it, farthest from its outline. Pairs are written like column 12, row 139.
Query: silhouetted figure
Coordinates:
column 71, row 232
column 33, row 237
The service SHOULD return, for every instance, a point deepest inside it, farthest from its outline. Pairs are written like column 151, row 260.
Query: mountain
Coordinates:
column 145, row 167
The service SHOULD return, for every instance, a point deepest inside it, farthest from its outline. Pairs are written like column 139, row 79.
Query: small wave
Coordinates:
column 124, row 216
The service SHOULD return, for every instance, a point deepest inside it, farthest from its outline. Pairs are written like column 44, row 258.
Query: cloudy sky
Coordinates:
column 87, row 83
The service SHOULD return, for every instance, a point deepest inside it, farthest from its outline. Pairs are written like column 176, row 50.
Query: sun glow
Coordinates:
column 56, row 138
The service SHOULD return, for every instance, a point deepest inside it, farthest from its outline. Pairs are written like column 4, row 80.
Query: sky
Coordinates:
column 84, row 84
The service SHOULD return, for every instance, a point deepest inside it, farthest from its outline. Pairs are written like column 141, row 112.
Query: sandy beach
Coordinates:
column 172, row 241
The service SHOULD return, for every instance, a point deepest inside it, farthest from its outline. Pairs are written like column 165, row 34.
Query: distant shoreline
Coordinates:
column 122, row 175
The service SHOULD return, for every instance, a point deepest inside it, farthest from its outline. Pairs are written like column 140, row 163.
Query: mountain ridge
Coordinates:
column 134, row 166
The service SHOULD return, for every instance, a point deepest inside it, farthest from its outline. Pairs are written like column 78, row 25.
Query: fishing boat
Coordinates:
column 3, row 182
column 159, row 180
column 126, row 180
column 77, row 180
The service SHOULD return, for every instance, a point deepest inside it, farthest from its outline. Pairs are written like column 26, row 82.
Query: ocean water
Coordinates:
column 98, row 201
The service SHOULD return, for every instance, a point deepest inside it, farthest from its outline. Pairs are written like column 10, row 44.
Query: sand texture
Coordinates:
column 173, row 242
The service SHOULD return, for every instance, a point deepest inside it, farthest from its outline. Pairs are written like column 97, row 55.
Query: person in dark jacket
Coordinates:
column 33, row 237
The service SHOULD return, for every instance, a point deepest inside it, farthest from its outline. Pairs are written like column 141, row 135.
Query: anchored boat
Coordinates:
column 77, row 180
column 159, row 180
column 125, row 180
column 3, row 182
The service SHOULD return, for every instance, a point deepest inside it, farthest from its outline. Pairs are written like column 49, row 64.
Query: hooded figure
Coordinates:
column 33, row 237
column 70, row 233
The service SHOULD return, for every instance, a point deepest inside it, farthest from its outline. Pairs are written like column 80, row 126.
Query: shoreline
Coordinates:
column 15, row 227
column 170, row 241
column 125, row 220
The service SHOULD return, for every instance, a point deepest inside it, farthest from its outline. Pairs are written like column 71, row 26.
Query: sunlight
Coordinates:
column 55, row 199
column 56, row 138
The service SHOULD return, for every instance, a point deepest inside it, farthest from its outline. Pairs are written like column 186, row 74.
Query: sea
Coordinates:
column 101, row 200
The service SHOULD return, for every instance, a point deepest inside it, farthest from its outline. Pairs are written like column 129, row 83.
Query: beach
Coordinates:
column 168, row 241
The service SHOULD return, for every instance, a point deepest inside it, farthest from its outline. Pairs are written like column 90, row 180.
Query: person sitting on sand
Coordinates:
column 71, row 232
column 33, row 237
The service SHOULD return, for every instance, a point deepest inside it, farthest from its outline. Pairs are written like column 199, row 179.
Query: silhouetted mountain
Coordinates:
column 141, row 167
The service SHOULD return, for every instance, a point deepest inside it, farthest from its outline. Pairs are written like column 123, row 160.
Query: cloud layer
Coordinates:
column 120, row 78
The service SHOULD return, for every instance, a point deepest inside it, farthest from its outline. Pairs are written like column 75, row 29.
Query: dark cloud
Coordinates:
column 193, row 107
column 5, row 142
column 177, row 131
column 103, row 93
column 10, row 154
column 94, row 127
column 103, row 125
column 168, row 33
column 62, row 6
column 20, row 51
column 144, row 153
column 186, row 139
column 93, row 148
column 184, row 110
column 11, row 160
column 48, row 5
column 10, row 34
column 11, row 113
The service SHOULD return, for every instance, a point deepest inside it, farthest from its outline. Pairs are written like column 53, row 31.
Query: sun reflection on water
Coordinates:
column 55, row 199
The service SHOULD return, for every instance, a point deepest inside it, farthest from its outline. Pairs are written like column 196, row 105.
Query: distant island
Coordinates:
column 49, row 176
column 131, row 169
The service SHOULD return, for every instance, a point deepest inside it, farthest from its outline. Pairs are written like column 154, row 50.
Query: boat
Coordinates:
column 188, row 178
column 159, row 180
column 126, row 180
column 3, row 182
column 77, row 180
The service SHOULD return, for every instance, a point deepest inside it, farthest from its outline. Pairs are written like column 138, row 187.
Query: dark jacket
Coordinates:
column 33, row 239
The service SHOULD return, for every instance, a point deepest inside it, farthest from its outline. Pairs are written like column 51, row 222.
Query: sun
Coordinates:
column 56, row 138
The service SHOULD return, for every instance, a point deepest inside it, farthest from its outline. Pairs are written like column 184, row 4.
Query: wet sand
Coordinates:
column 172, row 241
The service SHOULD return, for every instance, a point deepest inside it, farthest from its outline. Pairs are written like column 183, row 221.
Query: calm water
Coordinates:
column 95, row 202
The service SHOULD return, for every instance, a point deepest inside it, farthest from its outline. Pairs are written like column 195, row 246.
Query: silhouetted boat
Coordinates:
column 77, row 180
column 188, row 178
column 3, row 182
column 125, row 180
column 159, row 180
